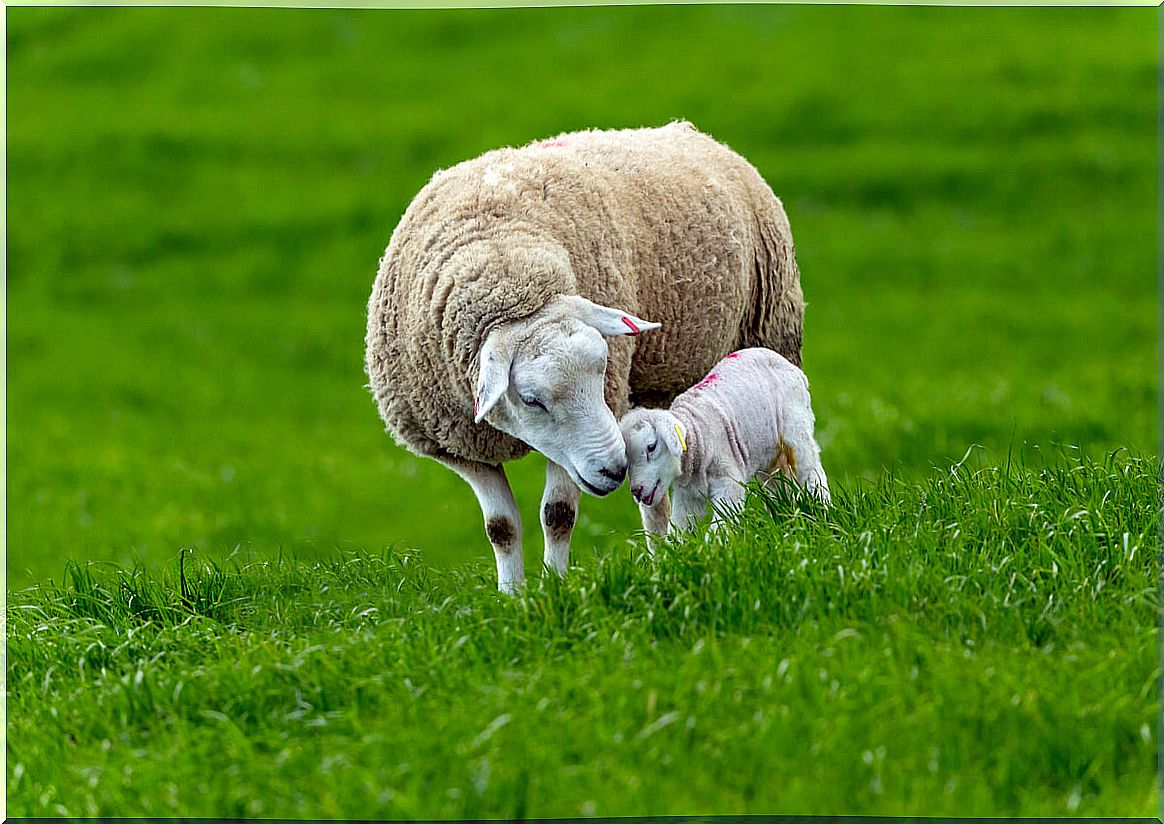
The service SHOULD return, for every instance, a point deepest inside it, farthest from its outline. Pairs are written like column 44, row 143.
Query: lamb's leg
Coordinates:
column 726, row 494
column 809, row 472
column 814, row 480
column 656, row 520
column 502, row 519
column 685, row 505
column 559, row 510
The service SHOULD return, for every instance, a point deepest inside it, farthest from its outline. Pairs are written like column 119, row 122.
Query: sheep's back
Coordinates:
column 709, row 251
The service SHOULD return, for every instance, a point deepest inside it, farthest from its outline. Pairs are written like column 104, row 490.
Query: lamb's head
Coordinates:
column 655, row 442
column 541, row 380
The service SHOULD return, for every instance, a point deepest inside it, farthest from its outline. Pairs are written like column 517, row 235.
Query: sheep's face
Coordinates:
column 655, row 442
column 542, row 379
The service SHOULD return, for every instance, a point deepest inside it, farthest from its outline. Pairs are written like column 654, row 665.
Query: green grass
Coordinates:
column 197, row 200
column 981, row 642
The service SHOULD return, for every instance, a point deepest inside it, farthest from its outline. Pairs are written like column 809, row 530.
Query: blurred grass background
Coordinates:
column 197, row 200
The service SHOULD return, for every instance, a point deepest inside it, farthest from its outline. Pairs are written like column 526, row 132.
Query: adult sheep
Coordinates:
column 515, row 280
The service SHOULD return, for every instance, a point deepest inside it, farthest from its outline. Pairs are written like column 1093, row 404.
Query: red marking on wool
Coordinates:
column 711, row 378
column 476, row 405
column 634, row 330
column 732, row 356
column 552, row 144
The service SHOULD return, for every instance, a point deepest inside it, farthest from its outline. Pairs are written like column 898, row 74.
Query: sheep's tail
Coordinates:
column 774, row 317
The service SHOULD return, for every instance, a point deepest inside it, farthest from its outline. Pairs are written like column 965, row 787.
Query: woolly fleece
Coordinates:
column 743, row 418
column 665, row 223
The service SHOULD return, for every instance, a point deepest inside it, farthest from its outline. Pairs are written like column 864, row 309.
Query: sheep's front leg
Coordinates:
column 502, row 519
column 656, row 520
column 559, row 511
column 726, row 495
column 686, row 504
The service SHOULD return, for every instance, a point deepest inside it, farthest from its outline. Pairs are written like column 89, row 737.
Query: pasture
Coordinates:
column 197, row 199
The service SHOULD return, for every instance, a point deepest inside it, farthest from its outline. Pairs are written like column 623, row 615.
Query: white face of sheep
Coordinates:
column 542, row 380
column 655, row 443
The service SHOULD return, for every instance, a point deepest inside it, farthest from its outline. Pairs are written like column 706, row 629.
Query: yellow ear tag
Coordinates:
column 682, row 442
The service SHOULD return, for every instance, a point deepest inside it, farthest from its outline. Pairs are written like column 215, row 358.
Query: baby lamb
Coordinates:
column 750, row 417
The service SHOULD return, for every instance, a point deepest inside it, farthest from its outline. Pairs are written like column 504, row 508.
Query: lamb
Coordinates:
column 750, row 417
column 507, row 310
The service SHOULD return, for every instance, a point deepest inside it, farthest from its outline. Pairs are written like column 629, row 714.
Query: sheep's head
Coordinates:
column 541, row 380
column 655, row 442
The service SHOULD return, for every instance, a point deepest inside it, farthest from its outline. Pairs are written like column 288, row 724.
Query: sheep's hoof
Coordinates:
column 509, row 587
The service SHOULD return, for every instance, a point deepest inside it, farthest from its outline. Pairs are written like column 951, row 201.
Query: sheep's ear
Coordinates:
column 610, row 322
column 675, row 436
column 496, row 357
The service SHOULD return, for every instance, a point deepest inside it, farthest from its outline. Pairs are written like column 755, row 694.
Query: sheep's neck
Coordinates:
column 691, row 461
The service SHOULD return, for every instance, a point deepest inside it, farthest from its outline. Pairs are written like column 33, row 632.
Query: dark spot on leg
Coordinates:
column 559, row 520
column 500, row 531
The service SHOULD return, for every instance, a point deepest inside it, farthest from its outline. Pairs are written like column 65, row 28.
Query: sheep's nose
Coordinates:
column 616, row 474
column 637, row 492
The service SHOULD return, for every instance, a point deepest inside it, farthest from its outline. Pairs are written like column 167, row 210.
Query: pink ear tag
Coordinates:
column 634, row 330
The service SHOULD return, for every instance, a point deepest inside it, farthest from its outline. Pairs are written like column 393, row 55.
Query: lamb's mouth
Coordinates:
column 649, row 499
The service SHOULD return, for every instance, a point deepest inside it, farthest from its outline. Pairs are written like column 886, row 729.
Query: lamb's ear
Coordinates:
column 674, row 434
column 610, row 322
column 496, row 358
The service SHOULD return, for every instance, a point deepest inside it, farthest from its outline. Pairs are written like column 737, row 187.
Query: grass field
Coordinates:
column 197, row 200
column 980, row 643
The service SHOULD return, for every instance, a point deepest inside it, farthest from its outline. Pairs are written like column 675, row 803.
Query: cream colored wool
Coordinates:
column 664, row 223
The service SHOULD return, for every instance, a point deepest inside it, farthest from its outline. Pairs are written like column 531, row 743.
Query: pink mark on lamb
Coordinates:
column 711, row 378
column 732, row 356
column 553, row 143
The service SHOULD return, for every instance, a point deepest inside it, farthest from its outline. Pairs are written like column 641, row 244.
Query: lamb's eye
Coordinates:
column 651, row 448
column 529, row 400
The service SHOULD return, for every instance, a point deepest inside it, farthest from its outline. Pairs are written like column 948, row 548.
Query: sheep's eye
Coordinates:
column 534, row 402
column 651, row 447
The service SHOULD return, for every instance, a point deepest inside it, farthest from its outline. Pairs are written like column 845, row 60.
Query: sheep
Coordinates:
column 507, row 310
column 750, row 417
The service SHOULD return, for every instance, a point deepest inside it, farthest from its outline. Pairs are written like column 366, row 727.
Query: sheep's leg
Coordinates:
column 809, row 472
column 812, row 476
column 559, row 510
column 502, row 519
column 726, row 494
column 686, row 504
column 656, row 520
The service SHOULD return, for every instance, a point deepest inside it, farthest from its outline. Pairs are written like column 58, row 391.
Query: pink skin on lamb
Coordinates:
column 649, row 498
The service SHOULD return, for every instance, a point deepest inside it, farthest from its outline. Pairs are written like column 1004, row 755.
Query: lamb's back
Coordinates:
column 746, row 398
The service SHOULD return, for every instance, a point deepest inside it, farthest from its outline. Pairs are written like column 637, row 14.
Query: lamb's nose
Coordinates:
column 637, row 492
column 616, row 474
